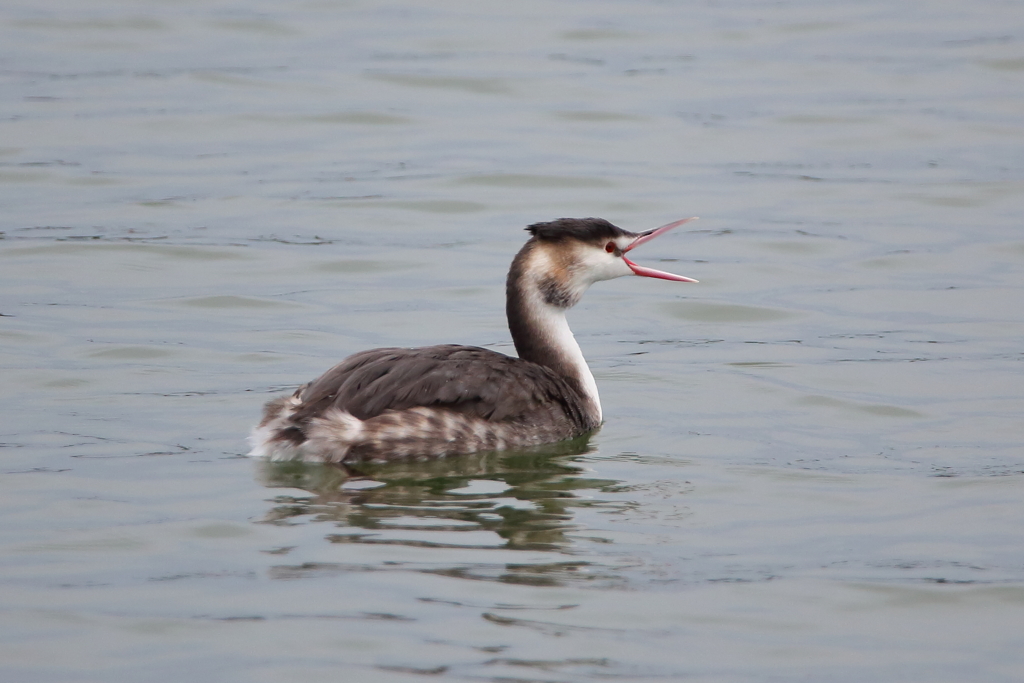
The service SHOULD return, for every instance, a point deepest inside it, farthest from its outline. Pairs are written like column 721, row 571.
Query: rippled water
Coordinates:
column 812, row 463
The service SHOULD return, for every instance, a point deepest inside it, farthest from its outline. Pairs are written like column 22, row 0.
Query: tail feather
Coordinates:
column 265, row 437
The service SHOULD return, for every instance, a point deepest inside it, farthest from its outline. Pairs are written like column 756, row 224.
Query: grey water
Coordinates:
column 812, row 462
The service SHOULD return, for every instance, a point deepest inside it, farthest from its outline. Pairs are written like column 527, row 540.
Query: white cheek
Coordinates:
column 610, row 267
column 597, row 265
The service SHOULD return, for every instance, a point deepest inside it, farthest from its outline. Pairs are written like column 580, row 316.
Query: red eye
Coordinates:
column 610, row 247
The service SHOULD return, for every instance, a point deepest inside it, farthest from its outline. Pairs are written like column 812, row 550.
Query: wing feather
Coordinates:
column 464, row 379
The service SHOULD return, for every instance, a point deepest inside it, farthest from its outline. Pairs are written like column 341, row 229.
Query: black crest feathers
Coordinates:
column 582, row 229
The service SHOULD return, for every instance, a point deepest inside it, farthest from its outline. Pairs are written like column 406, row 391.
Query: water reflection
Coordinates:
column 518, row 500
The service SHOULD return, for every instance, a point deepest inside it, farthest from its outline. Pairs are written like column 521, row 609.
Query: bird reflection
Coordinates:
column 524, row 497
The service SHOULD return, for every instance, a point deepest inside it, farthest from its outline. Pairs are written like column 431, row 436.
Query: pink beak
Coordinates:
column 647, row 237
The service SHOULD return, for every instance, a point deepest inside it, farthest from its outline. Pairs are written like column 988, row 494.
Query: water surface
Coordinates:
column 811, row 466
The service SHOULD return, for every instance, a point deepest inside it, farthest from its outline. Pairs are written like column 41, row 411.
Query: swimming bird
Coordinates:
column 433, row 401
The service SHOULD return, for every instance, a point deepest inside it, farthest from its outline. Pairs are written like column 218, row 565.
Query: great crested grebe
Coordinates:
column 433, row 401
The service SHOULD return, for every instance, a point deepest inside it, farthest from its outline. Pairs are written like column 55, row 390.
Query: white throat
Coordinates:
column 550, row 322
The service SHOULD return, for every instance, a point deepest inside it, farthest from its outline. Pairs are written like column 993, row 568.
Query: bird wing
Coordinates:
column 464, row 379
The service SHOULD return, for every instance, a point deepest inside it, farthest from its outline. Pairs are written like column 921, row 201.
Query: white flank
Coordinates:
column 330, row 436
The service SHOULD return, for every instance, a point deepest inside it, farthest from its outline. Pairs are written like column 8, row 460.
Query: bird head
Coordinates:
column 568, row 255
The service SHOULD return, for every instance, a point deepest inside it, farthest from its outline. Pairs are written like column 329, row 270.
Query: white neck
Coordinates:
column 549, row 322
column 539, row 290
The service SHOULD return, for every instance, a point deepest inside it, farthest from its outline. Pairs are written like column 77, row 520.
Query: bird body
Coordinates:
column 434, row 401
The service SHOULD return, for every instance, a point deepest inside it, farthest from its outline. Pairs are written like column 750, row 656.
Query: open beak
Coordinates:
column 647, row 237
